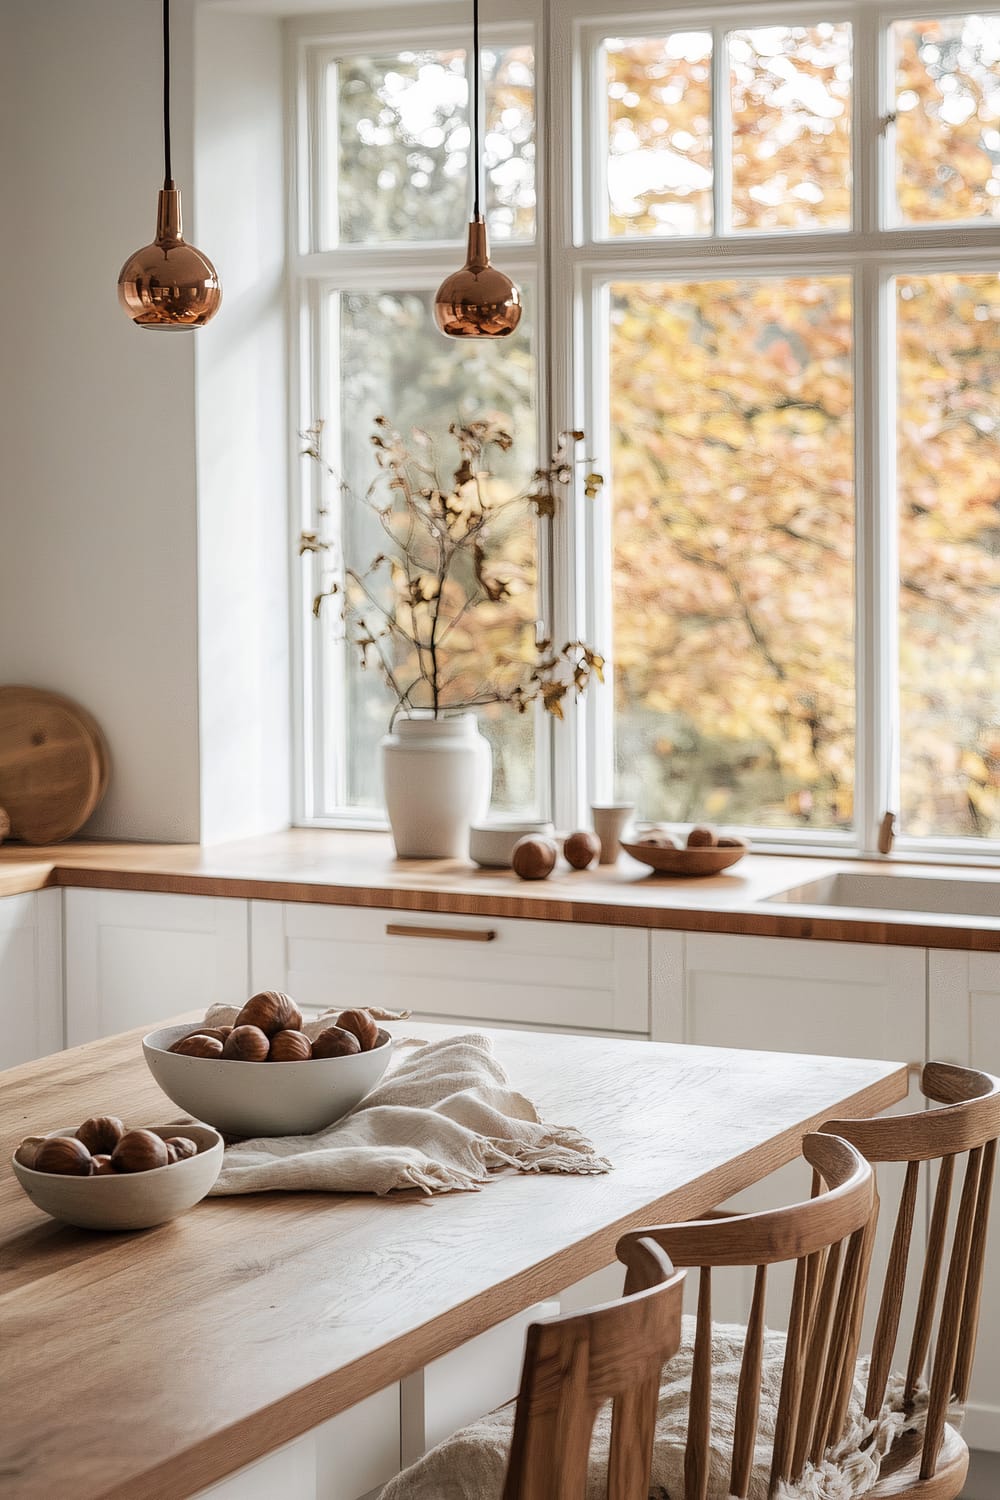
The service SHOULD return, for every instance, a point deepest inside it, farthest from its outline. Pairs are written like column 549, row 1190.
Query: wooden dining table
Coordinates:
column 147, row 1366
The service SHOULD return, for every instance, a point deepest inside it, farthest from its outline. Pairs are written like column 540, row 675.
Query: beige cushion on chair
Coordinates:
column 471, row 1464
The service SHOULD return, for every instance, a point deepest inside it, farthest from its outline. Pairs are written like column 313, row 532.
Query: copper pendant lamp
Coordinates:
column 477, row 302
column 169, row 284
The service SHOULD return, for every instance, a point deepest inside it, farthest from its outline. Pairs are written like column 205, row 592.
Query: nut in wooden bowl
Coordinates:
column 689, row 861
column 243, row 1098
column 110, row 1199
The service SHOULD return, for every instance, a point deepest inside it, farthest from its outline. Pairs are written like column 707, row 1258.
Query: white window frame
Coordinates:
column 577, row 260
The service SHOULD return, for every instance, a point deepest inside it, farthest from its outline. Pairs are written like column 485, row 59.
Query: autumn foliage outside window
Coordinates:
column 746, row 386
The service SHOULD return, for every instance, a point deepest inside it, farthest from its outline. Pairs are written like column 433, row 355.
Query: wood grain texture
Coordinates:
column 53, row 764
column 334, row 868
column 833, row 1226
column 573, row 1364
column 966, row 1123
column 284, row 1309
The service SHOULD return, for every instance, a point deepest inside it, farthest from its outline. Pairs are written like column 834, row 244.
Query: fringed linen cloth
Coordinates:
column 442, row 1120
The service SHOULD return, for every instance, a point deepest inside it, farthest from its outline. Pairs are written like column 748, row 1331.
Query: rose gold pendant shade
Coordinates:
column 477, row 302
column 169, row 284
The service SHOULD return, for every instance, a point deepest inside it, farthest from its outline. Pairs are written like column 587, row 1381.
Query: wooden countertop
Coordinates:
column 359, row 869
column 155, row 1363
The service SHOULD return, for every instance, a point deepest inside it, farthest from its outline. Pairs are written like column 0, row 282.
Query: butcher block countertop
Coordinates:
column 346, row 868
column 145, row 1366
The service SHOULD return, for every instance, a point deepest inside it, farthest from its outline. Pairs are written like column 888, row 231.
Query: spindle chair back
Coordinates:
column 829, row 1237
column 575, row 1363
column 965, row 1128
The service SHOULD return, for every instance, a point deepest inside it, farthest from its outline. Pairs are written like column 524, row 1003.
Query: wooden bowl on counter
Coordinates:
column 699, row 861
column 128, row 1200
column 263, row 1098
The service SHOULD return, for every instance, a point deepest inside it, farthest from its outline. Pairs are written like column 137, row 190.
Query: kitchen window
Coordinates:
column 758, row 248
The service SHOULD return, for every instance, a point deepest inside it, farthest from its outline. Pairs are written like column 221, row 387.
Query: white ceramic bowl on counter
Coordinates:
column 128, row 1200
column 492, row 844
column 263, row 1098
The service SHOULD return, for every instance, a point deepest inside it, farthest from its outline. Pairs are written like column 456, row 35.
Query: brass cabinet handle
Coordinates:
column 457, row 934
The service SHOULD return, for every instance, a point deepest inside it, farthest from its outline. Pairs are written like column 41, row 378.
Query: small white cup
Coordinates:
column 609, row 820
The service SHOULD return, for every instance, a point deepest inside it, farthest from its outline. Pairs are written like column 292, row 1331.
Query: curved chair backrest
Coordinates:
column 573, row 1364
column 967, row 1124
column 829, row 1237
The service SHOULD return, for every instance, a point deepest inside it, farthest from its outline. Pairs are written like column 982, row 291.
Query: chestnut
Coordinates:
column 361, row 1024
column 271, row 1011
column 198, row 1045
column 180, row 1147
column 533, row 858
column 28, row 1149
column 701, row 837
column 64, row 1154
column 246, row 1044
column 335, row 1042
column 139, row 1151
column 101, row 1134
column 581, row 849
column 290, row 1046
column 103, row 1166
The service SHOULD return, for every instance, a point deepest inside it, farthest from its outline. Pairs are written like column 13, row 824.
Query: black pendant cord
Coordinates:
column 475, row 105
column 167, row 175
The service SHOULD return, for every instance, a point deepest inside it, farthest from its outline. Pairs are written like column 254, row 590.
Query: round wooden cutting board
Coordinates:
column 53, row 764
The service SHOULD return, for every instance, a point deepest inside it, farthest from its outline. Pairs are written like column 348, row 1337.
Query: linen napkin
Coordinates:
column 443, row 1119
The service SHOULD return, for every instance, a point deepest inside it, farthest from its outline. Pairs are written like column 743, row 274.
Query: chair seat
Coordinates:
column 900, row 1476
column 472, row 1463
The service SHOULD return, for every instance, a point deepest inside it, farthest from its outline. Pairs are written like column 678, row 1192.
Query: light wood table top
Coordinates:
column 152, row 1364
column 343, row 868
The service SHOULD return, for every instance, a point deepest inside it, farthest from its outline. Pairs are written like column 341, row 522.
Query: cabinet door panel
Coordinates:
column 787, row 995
column 31, row 1000
column 135, row 958
column 440, row 967
column 964, row 1027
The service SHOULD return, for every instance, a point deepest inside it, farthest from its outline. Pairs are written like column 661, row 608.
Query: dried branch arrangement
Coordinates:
column 446, row 611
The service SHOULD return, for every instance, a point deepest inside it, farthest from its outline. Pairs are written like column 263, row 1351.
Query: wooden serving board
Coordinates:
column 53, row 764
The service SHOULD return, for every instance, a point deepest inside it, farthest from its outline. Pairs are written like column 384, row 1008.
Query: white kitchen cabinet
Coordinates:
column 446, row 968
column 345, row 1458
column 794, row 995
column 136, row 957
column 963, row 1026
column 31, row 997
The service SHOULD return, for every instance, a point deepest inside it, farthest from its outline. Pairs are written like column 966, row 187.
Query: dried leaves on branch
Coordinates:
column 444, row 613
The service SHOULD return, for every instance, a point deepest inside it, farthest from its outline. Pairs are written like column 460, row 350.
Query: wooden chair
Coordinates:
column 575, row 1363
column 829, row 1237
column 932, row 1464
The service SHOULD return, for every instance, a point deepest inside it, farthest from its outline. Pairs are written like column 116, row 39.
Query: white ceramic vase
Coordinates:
column 436, row 774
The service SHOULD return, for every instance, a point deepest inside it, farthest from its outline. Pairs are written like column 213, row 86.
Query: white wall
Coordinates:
column 99, row 529
column 98, row 587
column 243, row 442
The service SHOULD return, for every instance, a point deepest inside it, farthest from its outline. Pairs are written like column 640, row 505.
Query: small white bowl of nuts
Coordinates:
column 101, row 1175
column 228, row 1074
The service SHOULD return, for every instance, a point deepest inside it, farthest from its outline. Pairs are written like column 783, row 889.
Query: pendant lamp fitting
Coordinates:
column 168, row 284
column 477, row 302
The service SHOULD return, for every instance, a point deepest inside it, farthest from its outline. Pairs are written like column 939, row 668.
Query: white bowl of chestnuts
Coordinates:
column 101, row 1175
column 265, row 1075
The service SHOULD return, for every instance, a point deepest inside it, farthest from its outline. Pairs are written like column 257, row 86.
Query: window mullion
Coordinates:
column 722, row 136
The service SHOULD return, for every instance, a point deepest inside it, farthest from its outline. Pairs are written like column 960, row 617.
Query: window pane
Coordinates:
column 399, row 129
column 791, row 108
column 660, row 134
column 732, row 489
column 948, row 458
column 394, row 362
column 947, row 118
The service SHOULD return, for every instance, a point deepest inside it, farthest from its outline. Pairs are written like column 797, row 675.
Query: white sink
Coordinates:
column 930, row 893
